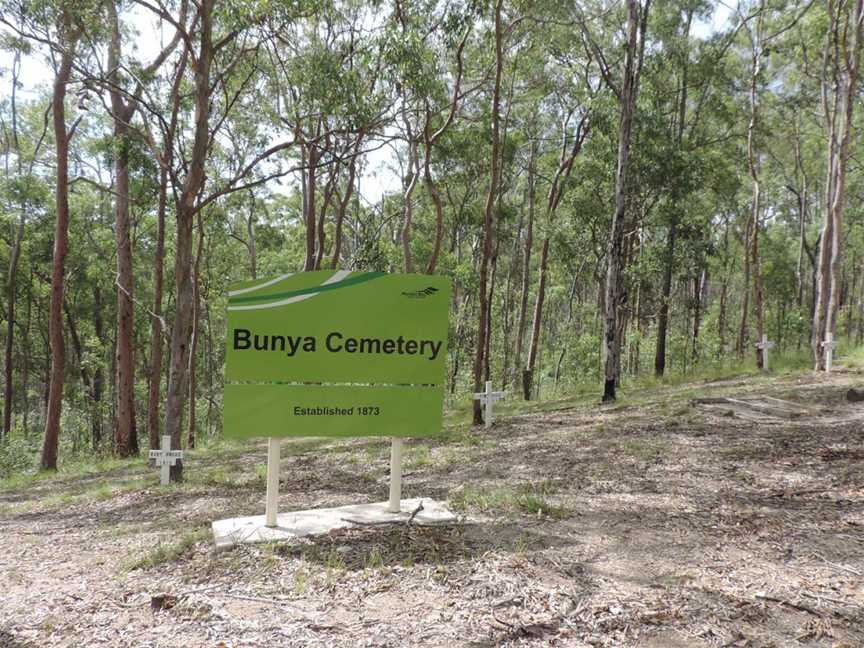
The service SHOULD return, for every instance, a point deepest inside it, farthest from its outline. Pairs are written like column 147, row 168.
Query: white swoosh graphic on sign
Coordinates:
column 339, row 276
column 240, row 291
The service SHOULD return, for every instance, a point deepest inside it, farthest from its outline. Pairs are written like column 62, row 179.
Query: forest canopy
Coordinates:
column 615, row 188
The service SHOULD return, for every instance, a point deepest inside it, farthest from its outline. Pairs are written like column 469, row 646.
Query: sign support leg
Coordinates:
column 271, row 508
column 394, row 505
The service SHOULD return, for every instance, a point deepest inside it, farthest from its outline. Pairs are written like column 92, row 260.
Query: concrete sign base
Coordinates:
column 249, row 530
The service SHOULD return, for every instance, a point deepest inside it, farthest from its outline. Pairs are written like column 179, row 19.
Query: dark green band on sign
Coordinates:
column 331, row 411
column 375, row 344
column 368, row 276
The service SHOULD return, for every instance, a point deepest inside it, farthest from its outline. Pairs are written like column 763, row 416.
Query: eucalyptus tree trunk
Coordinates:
column 175, row 398
column 528, row 372
column 567, row 324
column 429, row 140
column 843, row 51
column 665, row 295
column 125, row 435
column 487, row 353
column 507, row 315
column 669, row 257
column 14, row 257
column 181, row 333
column 745, row 293
column 311, row 158
column 700, row 297
column 753, row 169
column 342, row 205
column 156, row 346
column 859, row 328
column 27, row 361
column 407, row 197
column 157, row 322
column 482, row 328
column 435, row 195
column 122, row 111
column 849, row 292
column 327, row 199
column 802, row 196
column 529, row 244
column 252, row 242
column 98, row 373
column 613, row 289
column 196, row 332
column 556, row 192
column 62, row 135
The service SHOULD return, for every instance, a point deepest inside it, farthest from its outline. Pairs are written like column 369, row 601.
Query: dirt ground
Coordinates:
column 662, row 521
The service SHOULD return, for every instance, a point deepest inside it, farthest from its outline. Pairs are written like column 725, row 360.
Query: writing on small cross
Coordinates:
column 165, row 458
column 763, row 346
column 488, row 398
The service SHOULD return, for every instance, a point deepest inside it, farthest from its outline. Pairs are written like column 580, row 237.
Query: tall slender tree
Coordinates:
column 627, row 93
column 568, row 155
column 69, row 30
column 841, row 70
column 486, row 254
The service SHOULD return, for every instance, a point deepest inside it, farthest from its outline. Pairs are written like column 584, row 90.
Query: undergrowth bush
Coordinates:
column 17, row 454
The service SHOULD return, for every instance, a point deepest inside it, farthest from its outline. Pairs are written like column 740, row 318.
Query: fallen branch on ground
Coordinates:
column 820, row 597
column 407, row 521
column 795, row 606
column 846, row 568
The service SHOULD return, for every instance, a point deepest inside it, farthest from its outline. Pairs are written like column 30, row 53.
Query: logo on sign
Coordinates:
column 422, row 293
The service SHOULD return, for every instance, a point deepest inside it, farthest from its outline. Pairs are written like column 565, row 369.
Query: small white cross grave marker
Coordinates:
column 488, row 398
column 165, row 458
column 829, row 345
column 764, row 345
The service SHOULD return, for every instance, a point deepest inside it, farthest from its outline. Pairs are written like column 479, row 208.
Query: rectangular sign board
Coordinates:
column 336, row 353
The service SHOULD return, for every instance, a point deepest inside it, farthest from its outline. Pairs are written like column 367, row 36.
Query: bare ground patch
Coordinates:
column 664, row 523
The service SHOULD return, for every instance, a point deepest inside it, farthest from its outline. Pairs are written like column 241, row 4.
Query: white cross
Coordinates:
column 765, row 344
column 489, row 398
column 829, row 345
column 165, row 458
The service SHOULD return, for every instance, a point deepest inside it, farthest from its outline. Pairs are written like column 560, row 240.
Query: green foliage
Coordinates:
column 318, row 74
column 16, row 454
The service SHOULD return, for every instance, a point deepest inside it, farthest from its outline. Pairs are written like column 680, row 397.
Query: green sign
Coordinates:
column 372, row 345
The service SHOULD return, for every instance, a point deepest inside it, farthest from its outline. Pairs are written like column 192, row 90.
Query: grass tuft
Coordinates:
column 165, row 552
column 527, row 498
column 645, row 449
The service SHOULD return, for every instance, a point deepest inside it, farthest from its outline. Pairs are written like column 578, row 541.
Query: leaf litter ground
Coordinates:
column 728, row 513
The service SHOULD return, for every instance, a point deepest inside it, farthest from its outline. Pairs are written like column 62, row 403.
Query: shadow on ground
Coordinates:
column 8, row 640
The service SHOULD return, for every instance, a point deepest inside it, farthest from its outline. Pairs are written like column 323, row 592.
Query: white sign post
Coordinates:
column 828, row 345
column 395, row 503
column 271, row 508
column 764, row 345
column 165, row 458
column 488, row 398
